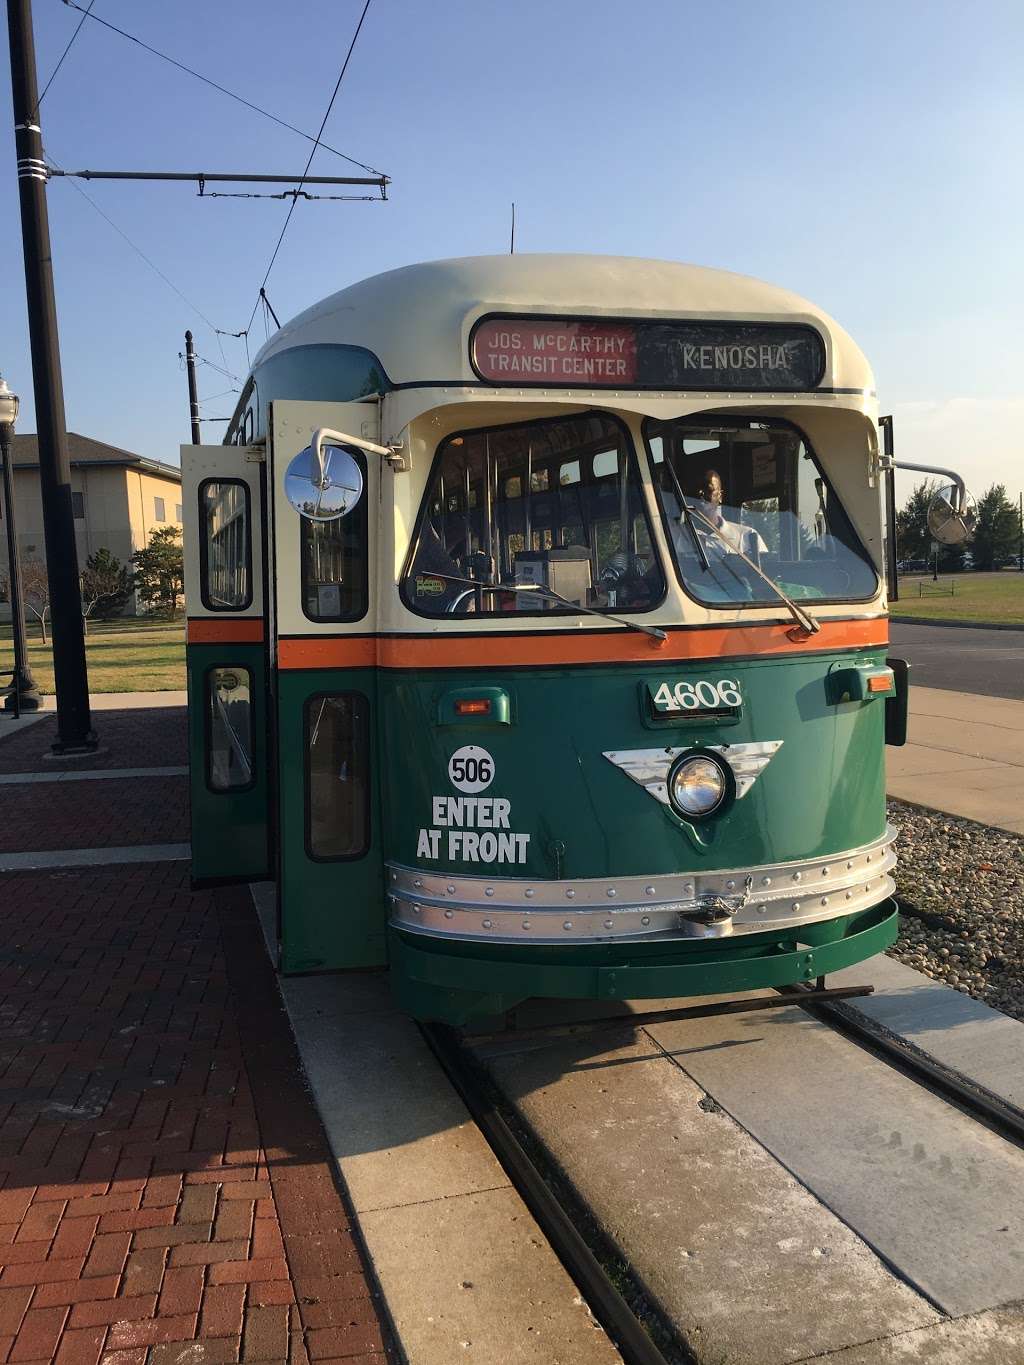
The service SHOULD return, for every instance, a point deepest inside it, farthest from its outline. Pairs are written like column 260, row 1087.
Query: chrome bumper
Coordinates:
column 755, row 900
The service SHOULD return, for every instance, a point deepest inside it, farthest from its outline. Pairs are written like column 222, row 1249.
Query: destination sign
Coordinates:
column 571, row 353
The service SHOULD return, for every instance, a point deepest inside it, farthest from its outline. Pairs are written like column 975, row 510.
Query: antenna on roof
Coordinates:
column 512, row 240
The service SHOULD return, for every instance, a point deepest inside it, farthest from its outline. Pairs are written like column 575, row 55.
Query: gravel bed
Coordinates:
column 961, row 891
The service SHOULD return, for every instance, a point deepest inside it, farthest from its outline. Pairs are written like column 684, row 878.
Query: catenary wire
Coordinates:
column 316, row 144
column 201, row 360
column 60, row 63
column 221, row 88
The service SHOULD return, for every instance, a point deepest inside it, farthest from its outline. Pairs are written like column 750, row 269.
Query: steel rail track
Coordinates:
column 609, row 1307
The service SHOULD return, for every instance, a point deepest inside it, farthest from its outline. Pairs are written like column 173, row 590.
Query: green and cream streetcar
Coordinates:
column 537, row 636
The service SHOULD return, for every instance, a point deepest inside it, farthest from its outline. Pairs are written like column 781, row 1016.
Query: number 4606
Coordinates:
column 698, row 696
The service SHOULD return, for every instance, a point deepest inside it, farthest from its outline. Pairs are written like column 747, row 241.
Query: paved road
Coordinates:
column 990, row 662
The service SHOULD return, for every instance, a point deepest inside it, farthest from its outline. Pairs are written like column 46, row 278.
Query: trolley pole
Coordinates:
column 193, row 399
column 74, row 723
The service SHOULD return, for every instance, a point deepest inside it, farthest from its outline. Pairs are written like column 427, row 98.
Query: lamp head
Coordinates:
column 8, row 404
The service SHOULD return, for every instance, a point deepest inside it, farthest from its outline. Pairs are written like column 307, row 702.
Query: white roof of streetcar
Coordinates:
column 417, row 319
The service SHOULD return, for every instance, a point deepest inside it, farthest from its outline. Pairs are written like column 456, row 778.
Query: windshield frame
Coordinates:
column 758, row 603
column 635, row 469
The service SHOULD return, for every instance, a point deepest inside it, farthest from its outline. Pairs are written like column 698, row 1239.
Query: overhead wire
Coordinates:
column 201, row 360
column 60, row 63
column 316, row 144
column 231, row 94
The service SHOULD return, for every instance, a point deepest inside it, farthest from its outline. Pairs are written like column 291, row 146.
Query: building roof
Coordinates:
column 417, row 319
column 89, row 454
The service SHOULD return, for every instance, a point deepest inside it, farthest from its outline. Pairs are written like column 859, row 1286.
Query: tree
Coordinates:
column 995, row 534
column 159, row 571
column 913, row 539
column 35, row 587
column 106, row 585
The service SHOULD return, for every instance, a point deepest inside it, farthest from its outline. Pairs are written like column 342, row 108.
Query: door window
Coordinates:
column 337, row 776
column 229, row 729
column 225, row 546
column 335, row 565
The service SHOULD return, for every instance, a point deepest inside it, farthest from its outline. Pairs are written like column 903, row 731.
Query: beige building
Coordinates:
column 119, row 498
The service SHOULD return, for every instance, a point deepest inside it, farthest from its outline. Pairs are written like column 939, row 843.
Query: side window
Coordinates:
column 229, row 729
column 337, row 776
column 335, row 565
column 159, row 510
column 225, row 545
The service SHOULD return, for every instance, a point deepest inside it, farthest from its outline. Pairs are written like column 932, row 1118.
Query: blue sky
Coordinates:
column 865, row 155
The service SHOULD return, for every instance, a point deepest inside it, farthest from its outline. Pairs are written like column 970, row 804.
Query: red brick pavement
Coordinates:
column 166, row 1193
column 153, row 738
column 111, row 811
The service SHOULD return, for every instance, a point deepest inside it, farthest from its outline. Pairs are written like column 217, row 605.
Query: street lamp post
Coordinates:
column 23, row 695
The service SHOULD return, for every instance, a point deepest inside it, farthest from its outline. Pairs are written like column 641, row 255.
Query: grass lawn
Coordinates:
column 133, row 654
column 978, row 597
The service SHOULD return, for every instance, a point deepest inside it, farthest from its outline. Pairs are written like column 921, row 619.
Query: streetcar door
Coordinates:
column 226, row 661
column 329, row 866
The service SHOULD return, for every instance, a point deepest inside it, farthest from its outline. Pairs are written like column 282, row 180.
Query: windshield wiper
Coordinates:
column 803, row 618
column 686, row 517
column 655, row 631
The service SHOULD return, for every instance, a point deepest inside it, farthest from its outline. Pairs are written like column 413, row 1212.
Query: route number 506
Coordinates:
column 698, row 696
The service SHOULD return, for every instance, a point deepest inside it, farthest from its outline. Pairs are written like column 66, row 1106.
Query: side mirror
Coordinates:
column 952, row 516
column 324, row 488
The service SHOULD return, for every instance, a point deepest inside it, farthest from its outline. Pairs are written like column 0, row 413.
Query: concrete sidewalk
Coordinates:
column 965, row 755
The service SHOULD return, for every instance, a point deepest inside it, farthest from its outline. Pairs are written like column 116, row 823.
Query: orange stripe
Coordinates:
column 324, row 651
column 217, row 630
column 544, row 650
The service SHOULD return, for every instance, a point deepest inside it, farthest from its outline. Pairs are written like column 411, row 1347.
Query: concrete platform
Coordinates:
column 935, row 1194
column 995, row 1338
column 965, row 755
column 820, row 1159
column 464, row 1270
column 747, row 1263
column 967, row 1035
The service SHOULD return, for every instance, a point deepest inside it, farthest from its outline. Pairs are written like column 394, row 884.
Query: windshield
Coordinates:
column 555, row 503
column 760, row 486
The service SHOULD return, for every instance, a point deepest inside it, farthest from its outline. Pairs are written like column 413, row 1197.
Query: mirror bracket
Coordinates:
column 390, row 452
column 887, row 462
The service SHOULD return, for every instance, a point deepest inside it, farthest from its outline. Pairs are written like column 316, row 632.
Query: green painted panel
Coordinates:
column 578, row 815
column 332, row 912
column 229, row 828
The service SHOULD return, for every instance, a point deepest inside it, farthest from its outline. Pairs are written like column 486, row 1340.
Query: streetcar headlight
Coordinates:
column 697, row 785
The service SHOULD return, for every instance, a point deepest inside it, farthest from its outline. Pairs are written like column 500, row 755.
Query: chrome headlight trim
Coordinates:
column 692, row 760
column 650, row 768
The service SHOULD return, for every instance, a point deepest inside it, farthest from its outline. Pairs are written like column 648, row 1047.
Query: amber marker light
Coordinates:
column 879, row 683
column 475, row 706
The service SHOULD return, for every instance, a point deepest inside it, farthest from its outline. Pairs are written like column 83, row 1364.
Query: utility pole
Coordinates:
column 1020, row 532
column 74, row 723
column 193, row 400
